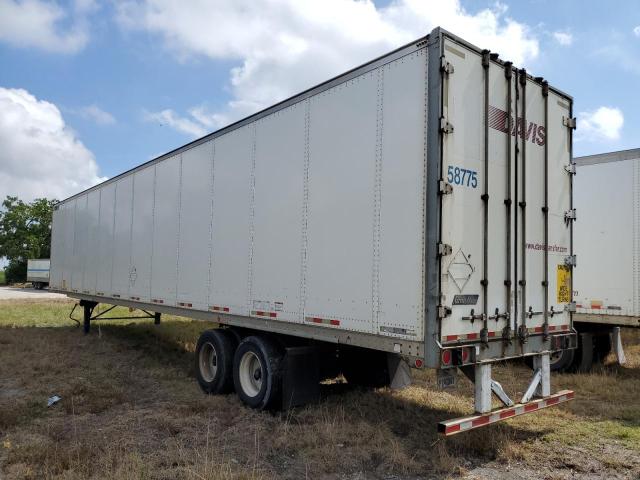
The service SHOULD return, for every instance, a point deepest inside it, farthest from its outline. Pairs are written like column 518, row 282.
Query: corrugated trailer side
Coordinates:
column 277, row 219
column 607, row 282
column 342, row 216
column 608, row 278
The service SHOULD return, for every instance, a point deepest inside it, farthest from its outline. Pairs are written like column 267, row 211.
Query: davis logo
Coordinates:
column 534, row 133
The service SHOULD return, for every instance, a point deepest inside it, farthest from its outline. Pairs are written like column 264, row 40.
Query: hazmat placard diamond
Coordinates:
column 460, row 269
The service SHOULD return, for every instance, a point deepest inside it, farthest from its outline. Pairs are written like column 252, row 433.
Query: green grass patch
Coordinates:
column 17, row 314
column 35, row 314
column 3, row 279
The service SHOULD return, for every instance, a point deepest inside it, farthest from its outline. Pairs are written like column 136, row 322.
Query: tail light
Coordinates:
column 446, row 357
column 456, row 356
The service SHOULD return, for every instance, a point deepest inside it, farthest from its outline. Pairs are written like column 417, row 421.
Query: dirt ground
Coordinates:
column 131, row 408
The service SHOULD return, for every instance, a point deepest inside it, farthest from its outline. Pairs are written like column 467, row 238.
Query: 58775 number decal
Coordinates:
column 462, row 176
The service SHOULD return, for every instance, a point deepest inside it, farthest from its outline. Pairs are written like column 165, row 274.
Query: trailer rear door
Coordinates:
column 505, row 201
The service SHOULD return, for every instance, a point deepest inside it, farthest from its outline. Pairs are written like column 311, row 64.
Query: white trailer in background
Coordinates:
column 38, row 272
column 607, row 278
column 395, row 215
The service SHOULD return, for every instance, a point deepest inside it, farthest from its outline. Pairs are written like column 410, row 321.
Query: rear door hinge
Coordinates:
column 444, row 188
column 444, row 249
column 570, row 215
column 445, row 66
column 443, row 311
column 571, row 168
column 570, row 307
column 570, row 261
column 569, row 122
column 445, row 127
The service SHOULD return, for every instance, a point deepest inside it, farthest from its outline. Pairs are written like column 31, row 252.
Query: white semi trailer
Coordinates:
column 607, row 278
column 415, row 210
column 38, row 272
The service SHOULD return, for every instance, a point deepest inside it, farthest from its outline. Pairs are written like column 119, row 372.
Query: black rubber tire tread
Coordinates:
column 365, row 368
column 225, row 344
column 563, row 364
column 601, row 347
column 271, row 358
column 583, row 359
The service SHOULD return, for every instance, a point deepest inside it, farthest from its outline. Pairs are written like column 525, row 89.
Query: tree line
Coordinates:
column 25, row 232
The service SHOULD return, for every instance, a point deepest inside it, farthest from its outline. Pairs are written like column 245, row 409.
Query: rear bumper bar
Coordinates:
column 463, row 424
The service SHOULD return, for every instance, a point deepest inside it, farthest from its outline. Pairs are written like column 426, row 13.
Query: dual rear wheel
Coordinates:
column 592, row 348
column 252, row 366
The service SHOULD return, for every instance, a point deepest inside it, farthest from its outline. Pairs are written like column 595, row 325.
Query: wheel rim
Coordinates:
column 251, row 374
column 555, row 357
column 208, row 362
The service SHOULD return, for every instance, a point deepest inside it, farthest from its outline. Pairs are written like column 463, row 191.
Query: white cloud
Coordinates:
column 636, row 31
column 171, row 119
column 40, row 155
column 605, row 123
column 45, row 25
column 563, row 38
column 99, row 116
column 284, row 46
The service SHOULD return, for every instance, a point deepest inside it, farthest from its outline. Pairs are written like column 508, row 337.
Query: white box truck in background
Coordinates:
column 607, row 278
column 411, row 211
column 38, row 272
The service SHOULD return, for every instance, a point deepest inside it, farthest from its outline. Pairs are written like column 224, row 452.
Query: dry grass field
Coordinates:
column 131, row 409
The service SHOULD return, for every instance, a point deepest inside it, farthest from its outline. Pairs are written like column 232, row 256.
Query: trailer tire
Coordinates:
column 214, row 361
column 583, row 358
column 601, row 347
column 257, row 372
column 559, row 361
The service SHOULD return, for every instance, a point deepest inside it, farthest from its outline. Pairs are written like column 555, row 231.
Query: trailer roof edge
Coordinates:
column 618, row 156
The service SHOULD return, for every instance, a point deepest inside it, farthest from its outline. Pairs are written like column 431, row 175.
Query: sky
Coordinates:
column 89, row 88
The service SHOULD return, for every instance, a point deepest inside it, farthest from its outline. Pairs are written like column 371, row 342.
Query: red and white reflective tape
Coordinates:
column 325, row 321
column 216, row 308
column 468, row 336
column 476, row 336
column 552, row 328
column 260, row 313
column 157, row 300
column 458, row 425
column 185, row 304
column 599, row 307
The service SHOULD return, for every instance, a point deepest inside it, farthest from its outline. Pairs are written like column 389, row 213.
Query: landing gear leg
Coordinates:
column 156, row 318
column 88, row 310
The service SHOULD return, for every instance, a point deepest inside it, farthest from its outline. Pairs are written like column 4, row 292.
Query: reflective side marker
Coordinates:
column 260, row 313
column 216, row 308
column 324, row 321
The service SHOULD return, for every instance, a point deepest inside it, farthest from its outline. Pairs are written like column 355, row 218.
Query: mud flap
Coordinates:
column 301, row 377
